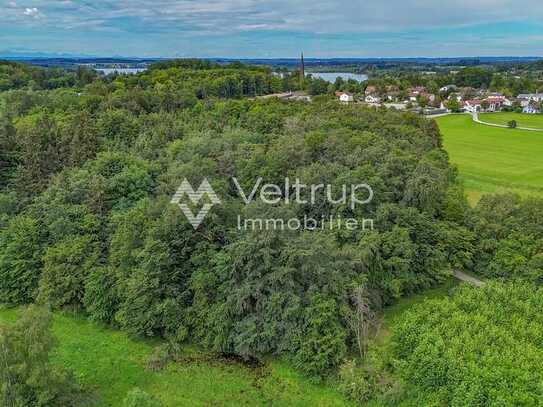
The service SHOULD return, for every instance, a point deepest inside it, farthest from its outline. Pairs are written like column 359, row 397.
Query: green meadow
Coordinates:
column 494, row 160
column 534, row 121
column 109, row 364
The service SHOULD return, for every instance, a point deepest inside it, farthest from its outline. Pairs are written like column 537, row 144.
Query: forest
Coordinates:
column 88, row 166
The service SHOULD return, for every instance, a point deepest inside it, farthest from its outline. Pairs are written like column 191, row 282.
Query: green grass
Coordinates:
column 109, row 363
column 394, row 312
column 493, row 160
column 534, row 121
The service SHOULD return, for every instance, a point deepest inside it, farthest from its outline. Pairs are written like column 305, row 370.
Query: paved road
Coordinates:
column 476, row 119
column 468, row 279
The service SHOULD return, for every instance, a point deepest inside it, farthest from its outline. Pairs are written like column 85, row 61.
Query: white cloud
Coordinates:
column 32, row 12
column 314, row 16
column 325, row 15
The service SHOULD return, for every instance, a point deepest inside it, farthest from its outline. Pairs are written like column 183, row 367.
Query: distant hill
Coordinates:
column 61, row 60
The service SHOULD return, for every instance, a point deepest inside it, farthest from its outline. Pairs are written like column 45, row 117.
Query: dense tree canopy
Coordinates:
column 87, row 173
column 481, row 347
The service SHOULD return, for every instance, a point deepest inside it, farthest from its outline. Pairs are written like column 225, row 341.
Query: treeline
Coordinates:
column 16, row 76
column 509, row 83
column 509, row 238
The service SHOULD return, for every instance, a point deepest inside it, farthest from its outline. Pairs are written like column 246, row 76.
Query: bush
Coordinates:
column 370, row 380
column 161, row 355
column 27, row 377
column 139, row 398
column 353, row 382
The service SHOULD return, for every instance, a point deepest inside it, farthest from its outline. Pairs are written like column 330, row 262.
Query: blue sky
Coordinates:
column 273, row 28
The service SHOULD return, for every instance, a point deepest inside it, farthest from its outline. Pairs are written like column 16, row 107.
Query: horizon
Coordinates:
column 253, row 29
column 45, row 56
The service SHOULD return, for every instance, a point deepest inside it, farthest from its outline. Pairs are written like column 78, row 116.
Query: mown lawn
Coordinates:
column 493, row 160
column 534, row 121
column 109, row 363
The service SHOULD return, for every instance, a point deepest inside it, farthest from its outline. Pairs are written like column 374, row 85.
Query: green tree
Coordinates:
column 27, row 376
column 8, row 152
column 66, row 267
column 40, row 150
column 321, row 344
column 21, row 247
column 474, row 77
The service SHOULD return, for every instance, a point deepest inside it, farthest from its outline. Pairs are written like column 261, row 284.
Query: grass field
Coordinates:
column 534, row 121
column 110, row 364
column 492, row 159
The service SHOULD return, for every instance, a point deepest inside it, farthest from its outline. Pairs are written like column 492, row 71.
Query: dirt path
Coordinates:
column 468, row 279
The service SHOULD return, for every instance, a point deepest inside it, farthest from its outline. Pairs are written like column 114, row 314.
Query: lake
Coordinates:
column 331, row 76
column 122, row 71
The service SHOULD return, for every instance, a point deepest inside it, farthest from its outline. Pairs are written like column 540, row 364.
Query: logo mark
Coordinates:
column 195, row 196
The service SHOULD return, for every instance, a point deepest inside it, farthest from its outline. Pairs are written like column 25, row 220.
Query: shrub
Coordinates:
column 161, row 355
column 139, row 398
column 353, row 382
column 370, row 380
column 27, row 377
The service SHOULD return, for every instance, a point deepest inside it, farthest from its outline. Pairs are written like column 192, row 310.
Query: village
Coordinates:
column 449, row 99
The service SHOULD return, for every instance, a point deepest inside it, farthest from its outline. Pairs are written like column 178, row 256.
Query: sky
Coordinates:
column 273, row 28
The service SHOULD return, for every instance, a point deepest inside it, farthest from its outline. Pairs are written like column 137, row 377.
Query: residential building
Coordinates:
column 495, row 103
column 536, row 97
column 397, row 106
column 473, row 106
column 370, row 90
column 530, row 109
column 372, row 99
column 346, row 97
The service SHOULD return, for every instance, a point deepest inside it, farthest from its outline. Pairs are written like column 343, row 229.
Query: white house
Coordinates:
column 397, row 106
column 473, row 106
column 346, row 97
column 372, row 99
column 536, row 97
column 523, row 102
column 530, row 109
